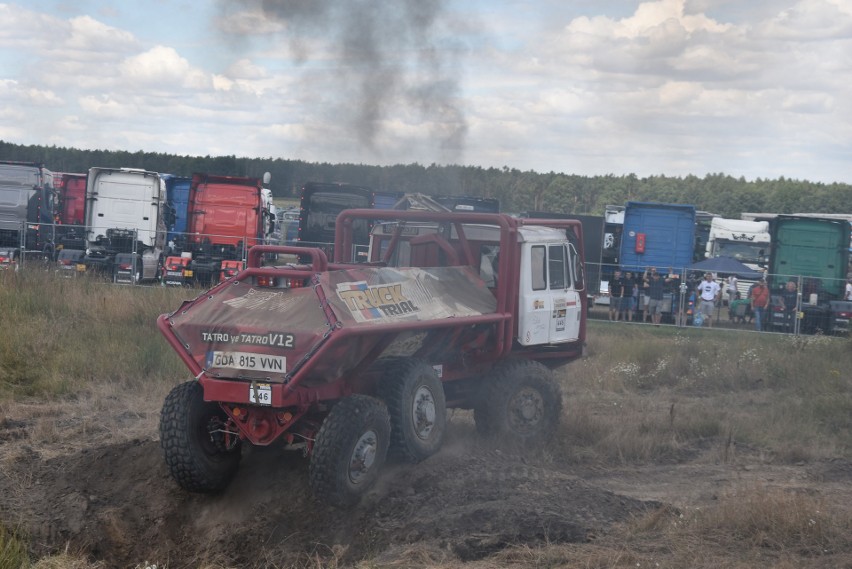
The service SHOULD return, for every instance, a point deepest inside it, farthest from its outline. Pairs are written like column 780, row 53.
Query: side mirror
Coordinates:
column 267, row 177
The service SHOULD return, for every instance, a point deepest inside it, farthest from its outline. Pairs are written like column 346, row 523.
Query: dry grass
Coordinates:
column 647, row 394
column 72, row 334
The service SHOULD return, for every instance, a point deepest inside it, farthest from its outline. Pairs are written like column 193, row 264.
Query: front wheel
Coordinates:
column 521, row 403
column 349, row 451
column 201, row 452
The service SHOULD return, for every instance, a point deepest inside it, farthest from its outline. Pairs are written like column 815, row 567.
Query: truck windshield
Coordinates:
column 320, row 209
column 742, row 252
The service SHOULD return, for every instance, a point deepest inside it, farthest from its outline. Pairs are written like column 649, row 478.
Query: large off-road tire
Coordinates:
column 349, row 451
column 520, row 403
column 199, row 456
column 417, row 407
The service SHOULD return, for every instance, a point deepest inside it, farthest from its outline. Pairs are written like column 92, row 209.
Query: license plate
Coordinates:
column 247, row 361
column 260, row 394
column 81, row 268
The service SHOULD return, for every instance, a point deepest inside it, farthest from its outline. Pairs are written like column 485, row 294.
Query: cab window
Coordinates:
column 577, row 269
column 557, row 267
column 538, row 266
column 488, row 264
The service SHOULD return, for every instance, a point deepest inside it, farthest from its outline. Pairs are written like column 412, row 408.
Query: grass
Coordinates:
column 13, row 550
column 644, row 395
column 71, row 334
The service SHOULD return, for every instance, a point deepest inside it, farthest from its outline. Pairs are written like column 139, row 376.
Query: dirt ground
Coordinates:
column 89, row 476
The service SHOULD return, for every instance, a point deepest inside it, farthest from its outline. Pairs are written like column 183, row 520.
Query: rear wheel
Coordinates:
column 349, row 451
column 417, row 406
column 521, row 403
column 201, row 453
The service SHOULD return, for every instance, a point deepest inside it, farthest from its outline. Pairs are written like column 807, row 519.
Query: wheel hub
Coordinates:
column 363, row 456
column 423, row 412
column 223, row 437
column 526, row 410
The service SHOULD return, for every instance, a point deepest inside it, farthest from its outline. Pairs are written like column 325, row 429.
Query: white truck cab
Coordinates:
column 551, row 281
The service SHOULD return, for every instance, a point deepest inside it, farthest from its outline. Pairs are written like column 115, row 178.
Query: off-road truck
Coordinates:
column 350, row 362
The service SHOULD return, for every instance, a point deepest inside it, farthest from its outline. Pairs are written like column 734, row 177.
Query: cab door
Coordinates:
column 549, row 311
column 566, row 303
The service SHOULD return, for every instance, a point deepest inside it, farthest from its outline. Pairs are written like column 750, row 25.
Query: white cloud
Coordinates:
column 42, row 98
column 104, row 107
column 164, row 67
column 816, row 20
column 88, row 34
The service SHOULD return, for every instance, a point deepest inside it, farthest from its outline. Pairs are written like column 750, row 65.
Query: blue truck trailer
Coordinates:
column 657, row 235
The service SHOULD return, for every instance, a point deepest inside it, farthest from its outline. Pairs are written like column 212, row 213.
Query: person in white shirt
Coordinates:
column 732, row 288
column 708, row 293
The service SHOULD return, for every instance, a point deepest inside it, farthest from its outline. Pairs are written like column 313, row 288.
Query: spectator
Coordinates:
column 791, row 304
column 631, row 294
column 672, row 285
column 654, row 291
column 848, row 295
column 759, row 301
column 708, row 295
column 644, row 296
column 737, row 308
column 731, row 288
column 616, row 296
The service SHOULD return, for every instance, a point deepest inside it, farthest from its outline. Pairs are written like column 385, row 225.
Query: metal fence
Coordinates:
column 798, row 304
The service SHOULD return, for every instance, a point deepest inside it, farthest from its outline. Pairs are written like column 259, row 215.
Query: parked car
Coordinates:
column 841, row 314
column 69, row 263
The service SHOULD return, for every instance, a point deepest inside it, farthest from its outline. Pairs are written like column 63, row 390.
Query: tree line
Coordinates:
column 517, row 190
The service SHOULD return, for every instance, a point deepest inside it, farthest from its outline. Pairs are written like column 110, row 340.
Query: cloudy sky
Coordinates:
column 757, row 88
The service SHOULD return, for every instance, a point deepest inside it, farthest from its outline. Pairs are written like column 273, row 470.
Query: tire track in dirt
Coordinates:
column 118, row 504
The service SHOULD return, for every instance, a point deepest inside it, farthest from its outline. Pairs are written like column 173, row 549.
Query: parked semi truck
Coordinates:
column 27, row 209
column 177, row 198
column 745, row 241
column 320, row 204
column 469, row 203
column 71, row 210
column 226, row 216
column 125, row 223
column 814, row 253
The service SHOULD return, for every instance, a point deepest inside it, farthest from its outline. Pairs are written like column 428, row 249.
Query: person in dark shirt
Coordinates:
column 790, row 297
column 616, row 296
column 631, row 296
column 654, row 284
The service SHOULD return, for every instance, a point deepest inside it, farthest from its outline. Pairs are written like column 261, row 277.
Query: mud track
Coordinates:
column 116, row 502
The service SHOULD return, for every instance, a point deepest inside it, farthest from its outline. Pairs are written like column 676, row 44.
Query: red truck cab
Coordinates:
column 227, row 215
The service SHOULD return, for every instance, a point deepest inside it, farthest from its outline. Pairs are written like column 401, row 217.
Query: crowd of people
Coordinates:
column 641, row 297
column 632, row 295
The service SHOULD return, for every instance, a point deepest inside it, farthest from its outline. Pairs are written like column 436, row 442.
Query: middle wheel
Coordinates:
column 417, row 406
column 350, row 450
